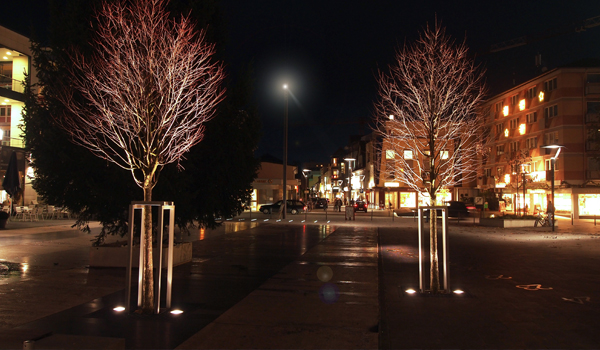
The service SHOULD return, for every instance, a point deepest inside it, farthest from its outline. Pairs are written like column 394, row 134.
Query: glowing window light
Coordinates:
column 119, row 308
column 522, row 104
column 176, row 312
column 522, row 129
column 507, row 178
column 506, row 132
column 541, row 96
column 391, row 117
column 505, row 110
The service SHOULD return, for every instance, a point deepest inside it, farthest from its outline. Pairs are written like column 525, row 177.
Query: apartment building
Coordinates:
column 15, row 64
column 558, row 108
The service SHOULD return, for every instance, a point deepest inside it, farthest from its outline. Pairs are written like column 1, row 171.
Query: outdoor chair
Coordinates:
column 51, row 212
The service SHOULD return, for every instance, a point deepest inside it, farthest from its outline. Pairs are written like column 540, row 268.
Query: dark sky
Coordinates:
column 329, row 51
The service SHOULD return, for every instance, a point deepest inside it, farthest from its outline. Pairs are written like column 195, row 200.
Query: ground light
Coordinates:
column 410, row 291
column 176, row 312
column 459, row 291
column 119, row 308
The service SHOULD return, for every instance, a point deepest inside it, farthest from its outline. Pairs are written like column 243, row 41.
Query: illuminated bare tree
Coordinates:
column 141, row 100
column 428, row 106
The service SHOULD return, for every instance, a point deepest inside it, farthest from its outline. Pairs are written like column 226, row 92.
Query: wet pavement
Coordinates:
column 332, row 284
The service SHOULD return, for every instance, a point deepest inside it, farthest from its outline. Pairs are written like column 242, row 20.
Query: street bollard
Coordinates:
column 29, row 345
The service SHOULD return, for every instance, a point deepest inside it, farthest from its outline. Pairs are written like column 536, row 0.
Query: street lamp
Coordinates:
column 305, row 172
column 553, row 166
column 285, row 135
column 350, row 177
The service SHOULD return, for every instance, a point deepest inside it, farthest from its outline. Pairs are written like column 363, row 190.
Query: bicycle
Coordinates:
column 542, row 221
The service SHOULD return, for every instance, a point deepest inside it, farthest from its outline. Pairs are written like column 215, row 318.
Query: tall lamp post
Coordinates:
column 553, row 166
column 305, row 172
column 285, row 144
column 349, row 177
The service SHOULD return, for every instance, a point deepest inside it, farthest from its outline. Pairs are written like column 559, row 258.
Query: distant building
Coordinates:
column 559, row 107
column 268, row 185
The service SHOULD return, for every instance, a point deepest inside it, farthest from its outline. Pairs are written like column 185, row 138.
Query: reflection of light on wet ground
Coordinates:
column 202, row 231
column 10, row 271
column 238, row 226
column 401, row 253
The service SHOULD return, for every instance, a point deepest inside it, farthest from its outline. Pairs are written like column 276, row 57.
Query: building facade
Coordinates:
column 558, row 108
column 15, row 64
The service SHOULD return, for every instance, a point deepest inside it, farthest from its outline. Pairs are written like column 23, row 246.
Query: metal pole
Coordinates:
column 285, row 142
column 553, row 205
column 524, row 194
column 420, row 253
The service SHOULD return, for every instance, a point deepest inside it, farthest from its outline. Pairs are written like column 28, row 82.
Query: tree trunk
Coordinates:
column 434, row 273
column 147, row 269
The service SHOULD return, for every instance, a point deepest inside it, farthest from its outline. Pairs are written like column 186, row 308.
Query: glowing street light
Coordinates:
column 553, row 166
column 285, row 149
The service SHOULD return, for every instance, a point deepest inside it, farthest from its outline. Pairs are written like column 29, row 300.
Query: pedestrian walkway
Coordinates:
column 264, row 284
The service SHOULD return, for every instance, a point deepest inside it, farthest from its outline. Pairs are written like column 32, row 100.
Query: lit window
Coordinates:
column 506, row 132
column 408, row 154
column 507, row 178
column 389, row 154
column 505, row 110
column 522, row 129
column 522, row 104
column 444, row 154
column 541, row 96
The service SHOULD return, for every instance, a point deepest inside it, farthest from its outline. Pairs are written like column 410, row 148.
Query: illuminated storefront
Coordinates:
column 589, row 204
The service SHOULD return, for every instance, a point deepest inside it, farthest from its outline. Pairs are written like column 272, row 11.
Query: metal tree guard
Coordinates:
column 162, row 206
column 444, row 210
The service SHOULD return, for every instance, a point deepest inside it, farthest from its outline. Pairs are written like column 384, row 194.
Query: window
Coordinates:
column 514, row 146
column 4, row 111
column 593, row 78
column 514, row 123
column 389, row 154
column 499, row 128
column 444, row 154
column 531, row 92
column 548, row 164
column 499, row 171
column 408, row 154
column 593, row 112
column 526, row 168
column 550, row 112
column 499, row 107
column 335, row 174
column 499, row 150
column 487, row 172
column 551, row 138
column 505, row 110
column 531, row 117
column 550, row 85
column 531, row 142
column 514, row 99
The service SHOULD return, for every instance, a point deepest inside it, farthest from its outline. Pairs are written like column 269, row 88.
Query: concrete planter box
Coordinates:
column 506, row 223
column 118, row 256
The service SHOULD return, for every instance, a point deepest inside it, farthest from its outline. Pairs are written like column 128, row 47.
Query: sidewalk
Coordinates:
column 237, row 297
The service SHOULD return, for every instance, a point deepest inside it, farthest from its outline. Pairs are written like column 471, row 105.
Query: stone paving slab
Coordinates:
column 296, row 310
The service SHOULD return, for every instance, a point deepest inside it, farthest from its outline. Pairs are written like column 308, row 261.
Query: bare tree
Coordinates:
column 428, row 106
column 141, row 100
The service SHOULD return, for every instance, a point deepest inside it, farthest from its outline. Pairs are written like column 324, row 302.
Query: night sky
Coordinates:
column 329, row 52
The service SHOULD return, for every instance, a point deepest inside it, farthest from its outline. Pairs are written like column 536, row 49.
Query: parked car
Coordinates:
column 456, row 209
column 319, row 203
column 360, row 206
column 293, row 207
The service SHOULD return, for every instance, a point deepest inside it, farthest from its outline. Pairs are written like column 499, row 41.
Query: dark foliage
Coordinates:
column 218, row 172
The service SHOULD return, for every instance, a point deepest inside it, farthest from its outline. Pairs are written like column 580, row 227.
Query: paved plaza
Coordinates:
column 311, row 281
